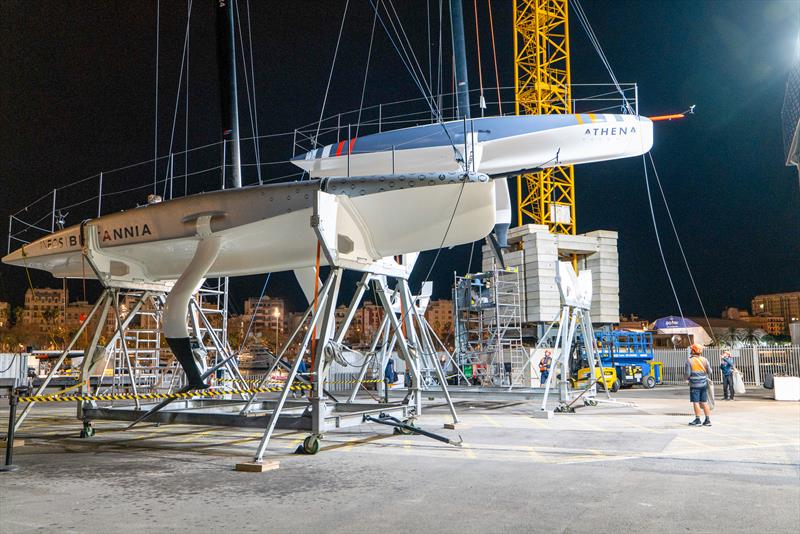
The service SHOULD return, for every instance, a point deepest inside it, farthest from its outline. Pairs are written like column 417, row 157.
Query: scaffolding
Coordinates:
column 488, row 327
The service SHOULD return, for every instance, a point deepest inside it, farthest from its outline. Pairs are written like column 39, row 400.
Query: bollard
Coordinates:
column 12, row 418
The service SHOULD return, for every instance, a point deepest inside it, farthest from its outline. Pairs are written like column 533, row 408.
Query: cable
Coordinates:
column 405, row 58
column 255, row 311
column 186, row 123
column 494, row 55
column 366, row 72
column 480, row 64
column 253, row 77
column 330, row 75
column 584, row 20
column 447, row 230
column 13, row 358
column 155, row 125
column 680, row 246
column 178, row 95
column 248, row 93
column 658, row 240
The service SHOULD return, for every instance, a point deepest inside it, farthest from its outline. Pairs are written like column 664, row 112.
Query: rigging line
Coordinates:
column 255, row 311
column 584, row 20
column 453, row 215
column 178, row 94
column 411, row 48
column 330, row 75
column 494, row 55
column 428, row 44
column 248, row 92
column 429, row 100
column 401, row 50
column 480, row 64
column 680, row 245
column 658, row 240
column 366, row 72
column 155, row 125
column 253, row 77
column 447, row 230
column 440, row 65
column 407, row 54
column 186, row 123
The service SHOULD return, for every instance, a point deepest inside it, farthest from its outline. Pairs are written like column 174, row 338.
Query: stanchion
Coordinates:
column 12, row 418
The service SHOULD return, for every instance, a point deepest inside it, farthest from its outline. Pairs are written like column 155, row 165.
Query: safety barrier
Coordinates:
column 59, row 397
column 159, row 396
column 756, row 363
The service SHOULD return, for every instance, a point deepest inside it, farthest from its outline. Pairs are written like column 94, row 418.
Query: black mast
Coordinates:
column 229, row 103
column 460, row 52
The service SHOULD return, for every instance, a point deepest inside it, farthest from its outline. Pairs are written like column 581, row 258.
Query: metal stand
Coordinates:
column 8, row 466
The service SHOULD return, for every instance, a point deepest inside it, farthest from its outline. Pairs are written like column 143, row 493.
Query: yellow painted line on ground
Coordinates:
column 469, row 453
column 492, row 421
column 536, row 455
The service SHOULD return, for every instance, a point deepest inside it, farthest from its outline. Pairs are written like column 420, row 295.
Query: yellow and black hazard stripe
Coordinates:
column 252, row 381
column 160, row 396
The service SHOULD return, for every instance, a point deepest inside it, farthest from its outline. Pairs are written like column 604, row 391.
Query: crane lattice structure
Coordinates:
column 542, row 86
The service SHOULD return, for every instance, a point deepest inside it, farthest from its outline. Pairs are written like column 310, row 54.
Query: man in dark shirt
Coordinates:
column 727, row 367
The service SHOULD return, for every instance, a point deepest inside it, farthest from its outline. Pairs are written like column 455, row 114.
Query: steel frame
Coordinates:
column 320, row 412
column 542, row 86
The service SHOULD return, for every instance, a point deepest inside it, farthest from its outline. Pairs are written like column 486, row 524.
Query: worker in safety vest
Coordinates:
column 697, row 374
column 544, row 366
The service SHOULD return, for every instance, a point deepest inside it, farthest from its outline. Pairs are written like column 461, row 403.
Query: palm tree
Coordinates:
column 753, row 336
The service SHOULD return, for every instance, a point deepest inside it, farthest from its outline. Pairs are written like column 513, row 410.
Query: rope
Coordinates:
column 406, row 59
column 330, row 75
column 658, row 240
column 253, row 77
column 168, row 180
column 494, row 55
column 584, row 20
column 155, row 125
column 366, row 72
column 186, row 122
column 680, row 246
column 250, row 104
column 447, row 231
column 13, row 358
column 480, row 64
column 253, row 318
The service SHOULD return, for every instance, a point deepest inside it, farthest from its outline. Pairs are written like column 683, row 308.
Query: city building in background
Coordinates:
column 268, row 317
column 5, row 313
column 786, row 305
column 440, row 316
column 44, row 309
column 773, row 325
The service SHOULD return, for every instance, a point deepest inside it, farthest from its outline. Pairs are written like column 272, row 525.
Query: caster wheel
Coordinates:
column 311, row 445
column 404, row 431
column 87, row 431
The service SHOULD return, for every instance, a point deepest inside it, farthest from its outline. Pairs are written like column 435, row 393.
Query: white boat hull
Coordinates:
column 267, row 228
column 531, row 142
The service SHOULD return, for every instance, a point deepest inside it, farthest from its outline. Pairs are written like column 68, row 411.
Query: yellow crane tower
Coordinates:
column 542, row 86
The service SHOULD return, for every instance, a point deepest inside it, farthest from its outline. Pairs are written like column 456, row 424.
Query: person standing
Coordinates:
column 697, row 372
column 727, row 367
column 544, row 367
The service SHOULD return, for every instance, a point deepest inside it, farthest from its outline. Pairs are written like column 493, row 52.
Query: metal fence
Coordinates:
column 755, row 362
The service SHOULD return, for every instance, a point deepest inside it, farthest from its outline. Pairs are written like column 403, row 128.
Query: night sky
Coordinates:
column 77, row 96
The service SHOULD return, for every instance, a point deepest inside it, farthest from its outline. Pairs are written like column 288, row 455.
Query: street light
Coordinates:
column 277, row 314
